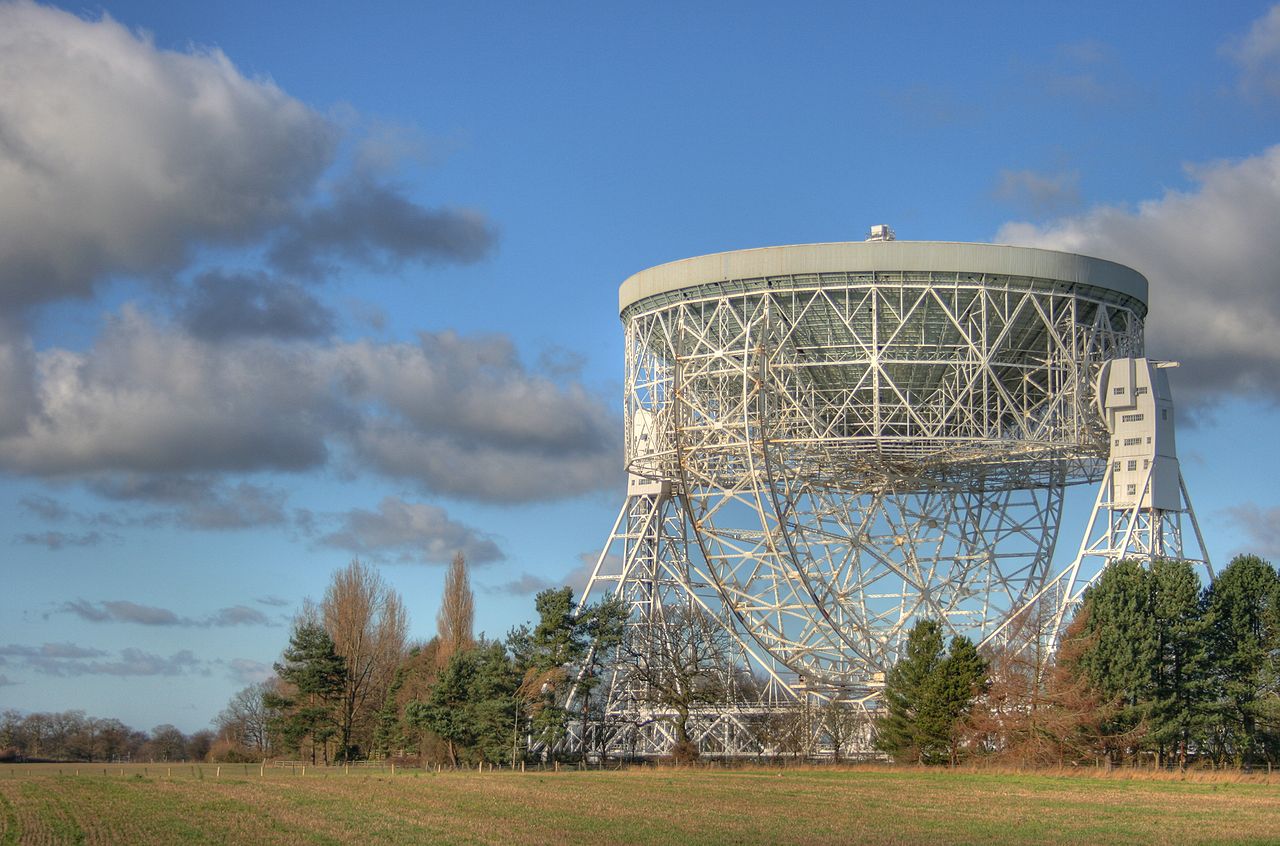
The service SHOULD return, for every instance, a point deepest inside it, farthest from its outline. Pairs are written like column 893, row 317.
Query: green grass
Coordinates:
column 641, row 806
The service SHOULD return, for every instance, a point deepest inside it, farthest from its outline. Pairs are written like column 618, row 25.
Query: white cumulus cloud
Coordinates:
column 119, row 157
column 1257, row 53
column 153, row 413
column 1212, row 256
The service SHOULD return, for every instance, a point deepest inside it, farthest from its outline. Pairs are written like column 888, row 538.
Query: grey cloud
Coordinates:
column 156, row 402
column 273, row 601
column 305, row 522
column 463, row 416
column 199, row 502
column 373, row 224
column 1212, row 257
column 241, row 506
column 1261, row 527
column 383, row 146
column 524, row 585
column 171, row 489
column 559, row 362
column 409, row 532
column 5, row 681
column 247, row 671
column 205, row 156
column 68, row 659
column 577, row 578
column 239, row 615
column 489, row 472
column 1257, row 54
column 153, row 414
column 224, row 306
column 124, row 611
column 1039, row 193
column 55, row 541
column 44, row 507
column 17, row 369
column 132, row 662
column 50, row 651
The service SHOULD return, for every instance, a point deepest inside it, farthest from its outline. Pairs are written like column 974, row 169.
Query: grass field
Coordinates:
column 39, row 805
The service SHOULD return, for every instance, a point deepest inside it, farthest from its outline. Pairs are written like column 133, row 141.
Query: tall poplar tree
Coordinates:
column 455, row 624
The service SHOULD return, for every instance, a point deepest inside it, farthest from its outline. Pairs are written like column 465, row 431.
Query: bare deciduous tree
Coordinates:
column 246, row 721
column 367, row 621
column 846, row 724
column 678, row 663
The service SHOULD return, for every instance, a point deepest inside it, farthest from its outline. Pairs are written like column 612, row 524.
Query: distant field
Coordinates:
column 878, row 806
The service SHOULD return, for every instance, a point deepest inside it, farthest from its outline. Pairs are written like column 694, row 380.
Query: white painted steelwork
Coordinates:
column 1138, row 513
column 846, row 438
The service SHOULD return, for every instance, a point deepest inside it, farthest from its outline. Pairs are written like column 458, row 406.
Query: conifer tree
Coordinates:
column 947, row 696
column 1122, row 659
column 1181, row 668
column 928, row 694
column 548, row 655
column 1244, row 653
column 316, row 676
column 905, row 690
column 472, row 704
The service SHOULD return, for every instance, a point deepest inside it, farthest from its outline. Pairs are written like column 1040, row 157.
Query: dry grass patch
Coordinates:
column 642, row 806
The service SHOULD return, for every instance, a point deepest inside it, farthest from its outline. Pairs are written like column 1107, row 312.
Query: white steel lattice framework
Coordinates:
column 1138, row 513
column 829, row 442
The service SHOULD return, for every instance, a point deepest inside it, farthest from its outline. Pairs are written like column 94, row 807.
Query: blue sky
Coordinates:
column 284, row 284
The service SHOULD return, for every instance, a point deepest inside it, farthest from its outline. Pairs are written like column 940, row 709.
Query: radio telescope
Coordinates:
column 828, row 442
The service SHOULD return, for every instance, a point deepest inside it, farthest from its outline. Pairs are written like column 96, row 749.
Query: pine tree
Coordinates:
column 905, row 690
column 947, row 696
column 316, row 676
column 1244, row 650
column 1122, row 660
column 927, row 696
column 1180, row 680
column 548, row 656
column 445, row 711
column 493, row 703
column 472, row 704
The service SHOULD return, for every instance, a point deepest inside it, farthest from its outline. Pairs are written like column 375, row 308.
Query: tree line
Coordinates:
column 350, row 686
column 75, row 736
column 1153, row 668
